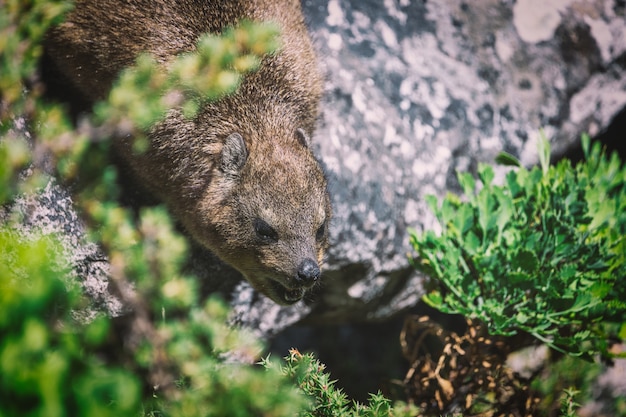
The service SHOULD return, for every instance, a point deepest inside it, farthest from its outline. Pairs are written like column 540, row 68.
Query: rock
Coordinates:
column 416, row 90
column 51, row 212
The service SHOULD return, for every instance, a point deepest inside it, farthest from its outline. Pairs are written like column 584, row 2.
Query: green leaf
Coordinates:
column 603, row 213
column 506, row 159
column 505, row 209
column 522, row 318
column 583, row 335
column 487, row 218
column 433, row 203
column 585, row 141
column 486, row 174
column 543, row 148
column 520, row 279
column 599, row 264
column 448, row 212
column 583, row 302
column 434, row 299
column 464, row 219
column 472, row 242
column 467, row 183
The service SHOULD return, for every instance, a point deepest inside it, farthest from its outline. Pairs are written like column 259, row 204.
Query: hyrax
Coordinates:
column 240, row 177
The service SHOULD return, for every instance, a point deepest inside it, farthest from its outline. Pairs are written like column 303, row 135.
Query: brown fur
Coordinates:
column 244, row 163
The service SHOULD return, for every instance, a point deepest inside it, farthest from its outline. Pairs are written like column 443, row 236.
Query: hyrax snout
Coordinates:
column 241, row 176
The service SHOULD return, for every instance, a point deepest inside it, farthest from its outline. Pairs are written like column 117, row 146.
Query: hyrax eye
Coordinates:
column 264, row 231
column 321, row 232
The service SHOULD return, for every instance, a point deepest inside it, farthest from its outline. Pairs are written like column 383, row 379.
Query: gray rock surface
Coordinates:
column 420, row 89
column 416, row 90
column 52, row 213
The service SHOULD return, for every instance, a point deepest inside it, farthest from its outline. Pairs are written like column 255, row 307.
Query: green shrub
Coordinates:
column 50, row 365
column 45, row 365
column 544, row 253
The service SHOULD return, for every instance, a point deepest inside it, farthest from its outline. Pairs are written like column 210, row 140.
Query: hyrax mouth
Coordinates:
column 286, row 295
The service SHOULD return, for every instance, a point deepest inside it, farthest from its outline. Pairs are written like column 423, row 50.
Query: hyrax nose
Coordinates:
column 308, row 272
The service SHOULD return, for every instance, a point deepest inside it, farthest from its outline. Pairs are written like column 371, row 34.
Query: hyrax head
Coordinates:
column 268, row 211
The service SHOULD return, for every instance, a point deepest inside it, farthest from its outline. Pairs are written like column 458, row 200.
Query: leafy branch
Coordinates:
column 544, row 253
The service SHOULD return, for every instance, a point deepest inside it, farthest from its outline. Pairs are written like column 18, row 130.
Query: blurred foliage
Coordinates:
column 52, row 365
column 45, row 366
column 544, row 254
column 556, row 381
column 22, row 27
column 178, row 356
column 23, row 24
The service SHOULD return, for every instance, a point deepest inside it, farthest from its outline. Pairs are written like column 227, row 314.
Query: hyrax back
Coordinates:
column 240, row 177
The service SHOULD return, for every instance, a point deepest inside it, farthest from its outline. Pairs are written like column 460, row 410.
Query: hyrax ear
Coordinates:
column 234, row 154
column 303, row 138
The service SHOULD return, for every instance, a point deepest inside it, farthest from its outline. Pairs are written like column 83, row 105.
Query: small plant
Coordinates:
column 328, row 401
column 568, row 405
column 543, row 254
column 556, row 381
